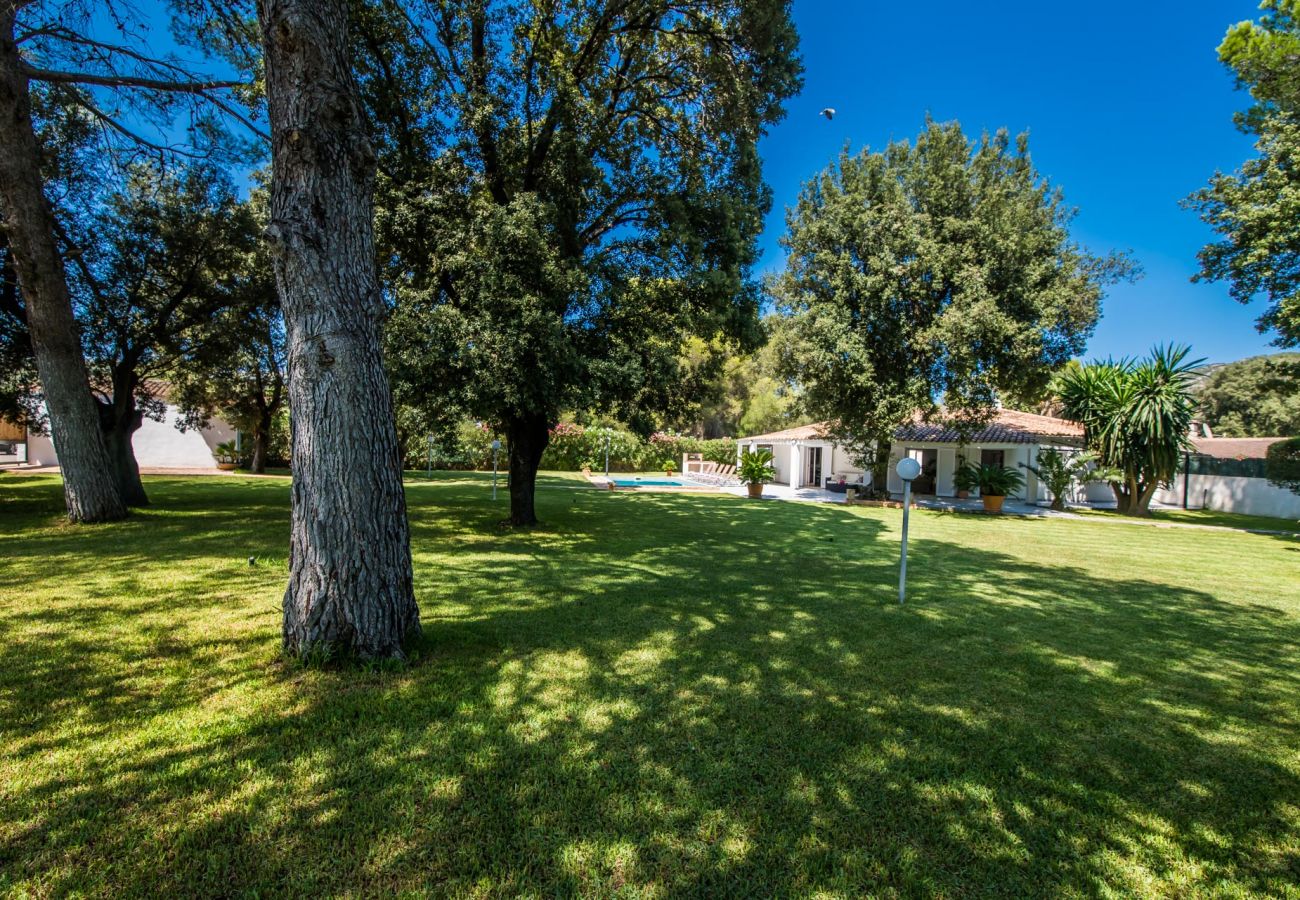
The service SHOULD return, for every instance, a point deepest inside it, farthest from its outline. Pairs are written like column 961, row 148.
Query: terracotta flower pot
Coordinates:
column 963, row 495
column 992, row 503
column 755, row 491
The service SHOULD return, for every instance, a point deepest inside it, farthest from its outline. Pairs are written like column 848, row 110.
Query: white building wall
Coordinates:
column 40, row 450
column 946, row 464
column 946, row 468
column 159, row 445
column 1229, row 493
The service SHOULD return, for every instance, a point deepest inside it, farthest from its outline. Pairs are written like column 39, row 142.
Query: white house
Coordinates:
column 157, row 445
column 806, row 456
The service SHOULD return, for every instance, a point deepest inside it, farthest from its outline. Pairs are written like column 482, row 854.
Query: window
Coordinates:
column 993, row 458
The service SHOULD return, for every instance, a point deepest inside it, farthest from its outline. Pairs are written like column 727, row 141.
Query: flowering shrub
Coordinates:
column 573, row 446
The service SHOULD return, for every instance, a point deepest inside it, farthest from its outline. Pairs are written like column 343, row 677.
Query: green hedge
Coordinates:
column 571, row 448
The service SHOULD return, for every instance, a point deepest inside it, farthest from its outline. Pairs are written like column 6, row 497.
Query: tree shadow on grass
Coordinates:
column 710, row 698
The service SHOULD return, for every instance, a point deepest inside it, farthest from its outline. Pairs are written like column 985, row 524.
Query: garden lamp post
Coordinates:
column 907, row 470
column 496, row 448
column 429, row 472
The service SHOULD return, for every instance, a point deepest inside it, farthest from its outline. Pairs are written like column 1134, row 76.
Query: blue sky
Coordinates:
column 1127, row 107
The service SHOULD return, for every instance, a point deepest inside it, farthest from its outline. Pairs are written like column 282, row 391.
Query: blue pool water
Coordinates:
column 649, row 482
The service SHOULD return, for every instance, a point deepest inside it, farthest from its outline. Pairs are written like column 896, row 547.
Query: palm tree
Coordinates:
column 1135, row 416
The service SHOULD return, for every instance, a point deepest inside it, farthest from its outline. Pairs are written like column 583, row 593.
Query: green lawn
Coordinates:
column 1212, row 517
column 652, row 695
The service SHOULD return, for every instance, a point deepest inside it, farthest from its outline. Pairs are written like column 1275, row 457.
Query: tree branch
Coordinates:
column 56, row 76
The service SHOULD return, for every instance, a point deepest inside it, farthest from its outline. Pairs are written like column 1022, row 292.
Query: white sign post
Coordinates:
column 496, row 447
column 907, row 470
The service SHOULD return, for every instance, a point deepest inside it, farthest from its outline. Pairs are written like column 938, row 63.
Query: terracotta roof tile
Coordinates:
column 1008, row 426
column 1234, row 448
column 814, row 432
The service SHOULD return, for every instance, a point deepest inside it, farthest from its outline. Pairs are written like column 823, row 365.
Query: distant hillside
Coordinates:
column 1254, row 397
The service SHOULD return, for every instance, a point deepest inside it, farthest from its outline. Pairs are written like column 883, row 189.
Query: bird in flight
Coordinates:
column 829, row 113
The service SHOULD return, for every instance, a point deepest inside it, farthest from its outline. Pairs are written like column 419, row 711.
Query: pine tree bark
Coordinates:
column 350, row 587
column 89, row 488
column 527, row 436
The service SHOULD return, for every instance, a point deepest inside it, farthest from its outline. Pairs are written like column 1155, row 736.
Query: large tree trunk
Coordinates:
column 350, row 560
column 120, row 421
column 1124, row 493
column 1142, row 501
column 88, row 485
column 880, row 467
column 527, row 436
column 261, row 439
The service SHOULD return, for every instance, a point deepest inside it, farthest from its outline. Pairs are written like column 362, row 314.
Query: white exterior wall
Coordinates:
column 40, row 450
column 780, row 460
column 1230, row 493
column 790, row 459
column 159, row 445
column 837, row 461
column 1015, row 456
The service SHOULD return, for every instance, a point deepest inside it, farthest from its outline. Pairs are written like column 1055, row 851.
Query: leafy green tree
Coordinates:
column 568, row 191
column 18, row 384
column 159, row 261
column 241, row 375
column 936, row 272
column 236, row 364
column 1136, row 417
column 1282, row 464
column 1256, row 210
column 727, row 392
column 48, row 49
column 1256, row 397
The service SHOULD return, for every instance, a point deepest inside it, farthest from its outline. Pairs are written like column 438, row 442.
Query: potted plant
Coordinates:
column 994, row 483
column 965, row 480
column 755, row 470
column 227, row 456
column 669, row 468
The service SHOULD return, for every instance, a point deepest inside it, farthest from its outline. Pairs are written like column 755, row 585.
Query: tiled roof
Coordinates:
column 814, row 432
column 1234, row 448
column 1008, row 426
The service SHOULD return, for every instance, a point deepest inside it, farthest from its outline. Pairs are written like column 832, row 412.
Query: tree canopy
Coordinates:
column 54, row 60
column 939, row 272
column 1255, row 397
column 1256, row 210
column 567, row 191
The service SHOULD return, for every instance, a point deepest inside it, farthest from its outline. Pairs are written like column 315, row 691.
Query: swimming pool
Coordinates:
column 652, row 482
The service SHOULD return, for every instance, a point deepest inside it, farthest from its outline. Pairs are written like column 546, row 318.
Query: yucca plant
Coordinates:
column 1136, row 417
